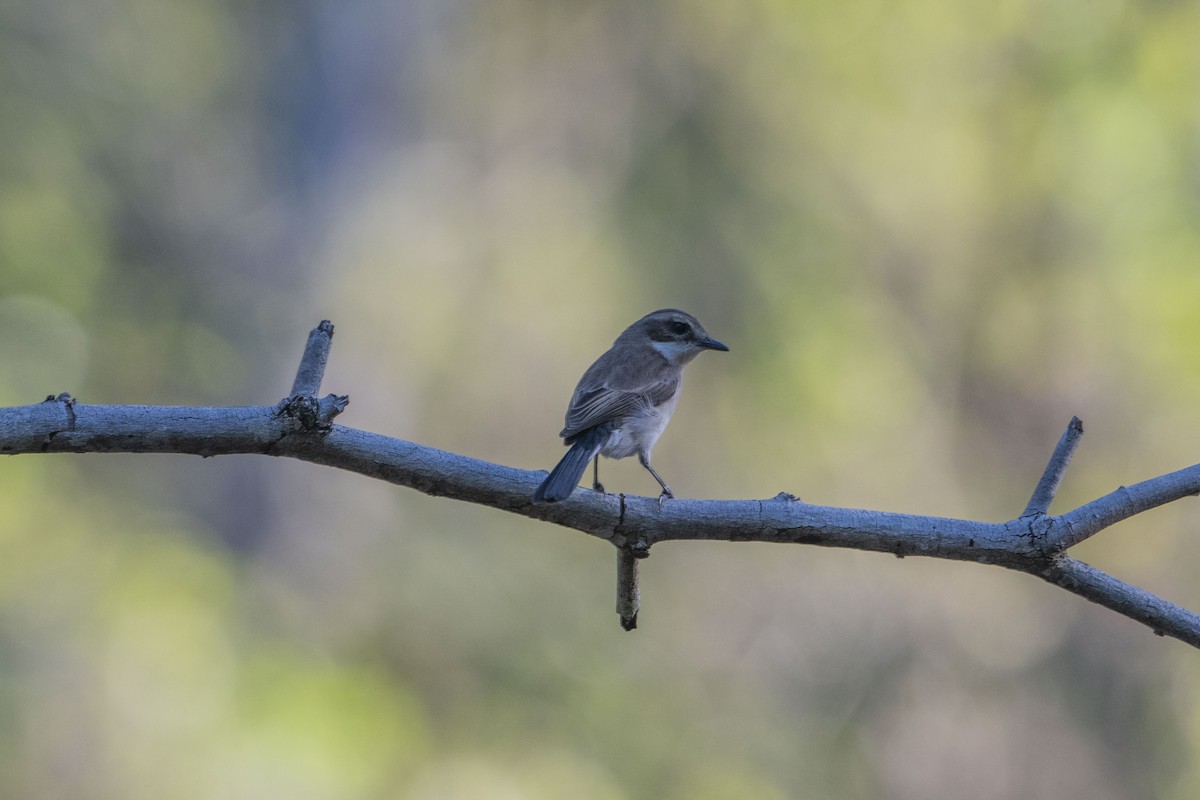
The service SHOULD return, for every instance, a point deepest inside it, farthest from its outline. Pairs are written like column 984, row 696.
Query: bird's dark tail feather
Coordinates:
column 563, row 479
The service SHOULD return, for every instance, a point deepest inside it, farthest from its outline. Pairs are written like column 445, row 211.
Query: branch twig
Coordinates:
column 312, row 363
column 628, row 595
column 1165, row 619
column 1043, row 494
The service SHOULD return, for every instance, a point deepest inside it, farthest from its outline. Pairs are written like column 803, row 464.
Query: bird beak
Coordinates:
column 711, row 344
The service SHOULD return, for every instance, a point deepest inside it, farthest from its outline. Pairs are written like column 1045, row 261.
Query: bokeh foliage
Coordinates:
column 929, row 233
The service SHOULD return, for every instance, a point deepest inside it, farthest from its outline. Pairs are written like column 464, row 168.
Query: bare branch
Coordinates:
column 1165, row 619
column 1026, row 544
column 1126, row 501
column 301, row 427
column 312, row 363
column 628, row 594
column 1043, row 494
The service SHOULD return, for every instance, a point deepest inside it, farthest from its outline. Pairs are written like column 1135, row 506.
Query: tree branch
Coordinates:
column 301, row 427
column 1060, row 459
column 628, row 595
column 312, row 363
column 1165, row 619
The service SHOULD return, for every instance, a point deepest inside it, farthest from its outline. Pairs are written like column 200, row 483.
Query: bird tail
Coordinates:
column 563, row 479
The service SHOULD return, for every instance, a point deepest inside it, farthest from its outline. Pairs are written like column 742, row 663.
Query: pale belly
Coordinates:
column 638, row 434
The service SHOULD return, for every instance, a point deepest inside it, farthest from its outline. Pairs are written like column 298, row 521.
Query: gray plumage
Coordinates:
column 625, row 399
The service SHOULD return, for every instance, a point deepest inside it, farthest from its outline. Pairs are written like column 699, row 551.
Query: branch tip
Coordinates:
column 312, row 363
column 1047, row 487
column 1162, row 617
column 628, row 593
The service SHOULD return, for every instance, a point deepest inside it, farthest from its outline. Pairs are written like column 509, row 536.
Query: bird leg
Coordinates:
column 666, row 490
column 597, row 486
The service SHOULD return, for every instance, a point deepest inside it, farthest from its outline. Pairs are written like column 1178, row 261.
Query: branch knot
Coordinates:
column 310, row 414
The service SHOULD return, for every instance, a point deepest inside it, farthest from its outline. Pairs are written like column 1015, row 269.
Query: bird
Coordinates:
column 625, row 399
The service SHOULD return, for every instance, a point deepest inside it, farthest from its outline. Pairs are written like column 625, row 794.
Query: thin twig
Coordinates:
column 628, row 593
column 312, row 363
column 1043, row 494
column 1073, row 527
column 1165, row 619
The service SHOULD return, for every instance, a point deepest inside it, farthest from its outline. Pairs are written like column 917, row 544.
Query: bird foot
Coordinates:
column 665, row 496
column 597, row 486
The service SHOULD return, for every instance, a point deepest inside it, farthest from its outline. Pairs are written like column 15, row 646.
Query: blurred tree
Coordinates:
column 930, row 234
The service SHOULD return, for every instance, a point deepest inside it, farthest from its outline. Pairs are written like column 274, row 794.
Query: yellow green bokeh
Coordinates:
column 930, row 235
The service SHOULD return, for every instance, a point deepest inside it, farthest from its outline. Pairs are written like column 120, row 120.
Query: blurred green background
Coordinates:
column 930, row 234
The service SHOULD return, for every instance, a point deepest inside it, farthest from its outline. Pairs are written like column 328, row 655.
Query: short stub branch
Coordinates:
column 628, row 592
column 312, row 363
column 1047, row 487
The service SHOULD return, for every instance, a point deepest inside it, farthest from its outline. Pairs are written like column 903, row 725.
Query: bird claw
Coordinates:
column 665, row 496
column 597, row 486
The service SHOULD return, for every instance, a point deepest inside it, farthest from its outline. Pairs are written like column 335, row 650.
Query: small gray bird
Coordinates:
column 625, row 400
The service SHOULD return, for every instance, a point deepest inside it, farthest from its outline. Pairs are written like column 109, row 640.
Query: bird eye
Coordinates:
column 679, row 328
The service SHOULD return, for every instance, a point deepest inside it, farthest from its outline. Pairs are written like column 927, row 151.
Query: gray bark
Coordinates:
column 301, row 427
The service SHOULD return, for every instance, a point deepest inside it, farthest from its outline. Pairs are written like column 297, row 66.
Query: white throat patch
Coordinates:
column 674, row 352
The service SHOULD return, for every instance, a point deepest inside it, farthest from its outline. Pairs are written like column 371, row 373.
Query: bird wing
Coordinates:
column 595, row 405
